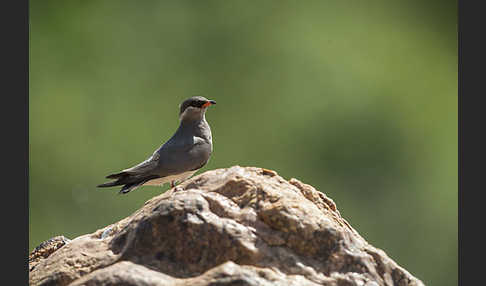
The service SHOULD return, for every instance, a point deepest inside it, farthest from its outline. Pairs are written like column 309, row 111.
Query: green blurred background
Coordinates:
column 357, row 98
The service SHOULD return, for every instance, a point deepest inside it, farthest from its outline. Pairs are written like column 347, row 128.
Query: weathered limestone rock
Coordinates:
column 235, row 226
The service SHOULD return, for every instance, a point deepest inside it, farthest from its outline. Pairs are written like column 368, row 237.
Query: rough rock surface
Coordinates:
column 235, row 226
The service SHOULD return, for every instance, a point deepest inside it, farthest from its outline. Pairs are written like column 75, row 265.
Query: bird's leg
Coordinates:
column 172, row 184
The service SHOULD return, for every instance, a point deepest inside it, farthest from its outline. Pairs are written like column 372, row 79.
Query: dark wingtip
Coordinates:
column 109, row 184
column 116, row 175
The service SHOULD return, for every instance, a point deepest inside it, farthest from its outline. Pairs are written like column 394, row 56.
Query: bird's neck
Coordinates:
column 199, row 127
column 191, row 115
column 193, row 120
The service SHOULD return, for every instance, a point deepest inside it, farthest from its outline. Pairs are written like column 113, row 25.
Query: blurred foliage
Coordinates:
column 357, row 98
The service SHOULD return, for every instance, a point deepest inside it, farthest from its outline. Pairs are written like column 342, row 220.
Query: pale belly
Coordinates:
column 177, row 178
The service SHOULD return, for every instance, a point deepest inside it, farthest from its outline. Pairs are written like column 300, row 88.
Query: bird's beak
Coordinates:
column 211, row 102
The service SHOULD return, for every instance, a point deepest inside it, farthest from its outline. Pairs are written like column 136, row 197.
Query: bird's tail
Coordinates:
column 128, row 181
column 121, row 179
column 129, row 187
column 109, row 184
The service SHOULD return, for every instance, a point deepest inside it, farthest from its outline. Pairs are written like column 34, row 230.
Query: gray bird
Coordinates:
column 187, row 151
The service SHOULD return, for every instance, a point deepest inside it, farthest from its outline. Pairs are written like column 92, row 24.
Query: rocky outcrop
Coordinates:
column 235, row 226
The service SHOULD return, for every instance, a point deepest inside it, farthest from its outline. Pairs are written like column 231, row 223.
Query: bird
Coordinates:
column 187, row 151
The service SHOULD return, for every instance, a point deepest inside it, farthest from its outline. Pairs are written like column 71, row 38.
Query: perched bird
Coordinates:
column 187, row 151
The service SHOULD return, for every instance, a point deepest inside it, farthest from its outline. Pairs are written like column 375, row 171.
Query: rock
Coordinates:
column 235, row 226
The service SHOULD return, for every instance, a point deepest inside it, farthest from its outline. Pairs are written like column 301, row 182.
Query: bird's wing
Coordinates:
column 153, row 164
column 174, row 157
column 183, row 155
column 146, row 167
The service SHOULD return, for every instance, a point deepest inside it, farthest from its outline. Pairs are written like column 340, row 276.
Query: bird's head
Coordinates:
column 194, row 108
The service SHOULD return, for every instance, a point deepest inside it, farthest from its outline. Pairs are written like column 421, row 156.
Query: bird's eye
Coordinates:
column 198, row 103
